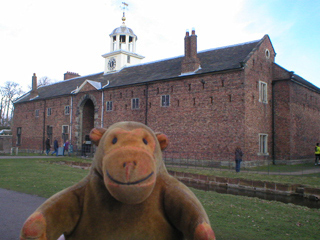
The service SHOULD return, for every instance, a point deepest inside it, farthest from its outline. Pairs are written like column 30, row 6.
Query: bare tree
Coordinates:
column 44, row 81
column 2, row 100
column 9, row 92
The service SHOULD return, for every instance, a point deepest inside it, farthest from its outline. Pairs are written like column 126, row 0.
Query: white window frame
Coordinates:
column 67, row 132
column 135, row 103
column 263, row 92
column 63, row 128
column 67, row 110
column 263, row 144
column 49, row 111
column 109, row 106
column 165, row 100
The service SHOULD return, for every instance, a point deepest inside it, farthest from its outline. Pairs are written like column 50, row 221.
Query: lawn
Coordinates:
column 232, row 217
column 38, row 176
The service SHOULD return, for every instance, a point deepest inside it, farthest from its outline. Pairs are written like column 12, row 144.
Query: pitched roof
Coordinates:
column 212, row 60
column 304, row 82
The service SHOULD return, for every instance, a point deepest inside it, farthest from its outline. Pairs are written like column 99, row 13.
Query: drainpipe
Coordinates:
column 273, row 126
column 102, row 107
column 70, row 138
column 147, row 99
column 44, row 126
column 102, row 99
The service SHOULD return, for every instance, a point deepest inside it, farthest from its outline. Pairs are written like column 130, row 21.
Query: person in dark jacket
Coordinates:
column 66, row 148
column 55, row 146
column 238, row 158
column 48, row 146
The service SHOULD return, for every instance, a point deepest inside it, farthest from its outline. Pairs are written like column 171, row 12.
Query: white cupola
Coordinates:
column 122, row 49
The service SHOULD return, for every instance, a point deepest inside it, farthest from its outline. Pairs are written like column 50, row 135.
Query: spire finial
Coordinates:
column 124, row 8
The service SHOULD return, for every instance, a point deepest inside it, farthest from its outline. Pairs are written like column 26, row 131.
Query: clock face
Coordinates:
column 112, row 64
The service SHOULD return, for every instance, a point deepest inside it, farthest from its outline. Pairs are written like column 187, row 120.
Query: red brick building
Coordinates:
column 207, row 102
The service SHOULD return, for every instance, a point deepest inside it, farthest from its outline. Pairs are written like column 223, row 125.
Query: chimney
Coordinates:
column 69, row 75
column 190, row 62
column 34, row 90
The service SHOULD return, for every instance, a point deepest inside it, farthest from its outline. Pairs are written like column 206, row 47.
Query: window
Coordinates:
column 135, row 103
column 49, row 133
column 267, row 52
column 65, row 133
column 165, row 100
column 109, row 105
column 263, row 92
column 66, row 110
column 114, row 43
column 37, row 113
column 122, row 41
column 263, row 144
column 122, row 38
column 19, row 136
column 48, row 111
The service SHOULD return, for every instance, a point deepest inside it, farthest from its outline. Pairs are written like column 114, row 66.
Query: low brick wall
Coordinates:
column 5, row 143
column 313, row 193
column 252, row 185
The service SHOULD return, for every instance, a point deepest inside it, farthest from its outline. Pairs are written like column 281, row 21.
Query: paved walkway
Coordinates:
column 15, row 208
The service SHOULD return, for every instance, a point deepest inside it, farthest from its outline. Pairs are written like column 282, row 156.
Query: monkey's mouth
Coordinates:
column 129, row 183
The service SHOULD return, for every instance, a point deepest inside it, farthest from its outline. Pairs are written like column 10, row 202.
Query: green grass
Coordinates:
column 237, row 217
column 38, row 176
column 284, row 168
column 232, row 217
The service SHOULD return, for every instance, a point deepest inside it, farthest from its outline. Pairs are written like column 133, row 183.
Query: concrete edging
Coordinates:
column 251, row 185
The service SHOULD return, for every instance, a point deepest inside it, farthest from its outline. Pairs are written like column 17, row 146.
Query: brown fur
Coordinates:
column 128, row 194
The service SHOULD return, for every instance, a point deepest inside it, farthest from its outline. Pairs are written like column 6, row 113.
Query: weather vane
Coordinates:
column 124, row 8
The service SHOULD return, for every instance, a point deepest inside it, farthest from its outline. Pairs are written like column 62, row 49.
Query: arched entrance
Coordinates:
column 86, row 122
column 87, row 119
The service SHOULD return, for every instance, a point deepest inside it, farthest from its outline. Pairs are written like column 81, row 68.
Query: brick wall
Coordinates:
column 209, row 115
column 297, row 113
column 201, row 117
column 258, row 115
column 5, row 143
column 31, row 125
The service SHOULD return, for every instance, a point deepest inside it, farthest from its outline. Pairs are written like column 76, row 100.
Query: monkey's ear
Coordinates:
column 163, row 140
column 96, row 135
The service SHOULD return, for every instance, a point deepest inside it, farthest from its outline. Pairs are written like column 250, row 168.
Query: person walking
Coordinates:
column 66, row 147
column 317, row 154
column 47, row 146
column 55, row 146
column 238, row 158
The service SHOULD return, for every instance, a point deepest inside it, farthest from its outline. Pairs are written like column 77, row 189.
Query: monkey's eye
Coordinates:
column 114, row 140
column 145, row 141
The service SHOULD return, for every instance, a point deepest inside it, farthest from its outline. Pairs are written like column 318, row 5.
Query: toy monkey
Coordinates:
column 128, row 194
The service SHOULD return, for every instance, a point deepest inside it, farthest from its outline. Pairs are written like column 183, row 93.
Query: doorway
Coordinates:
column 86, row 125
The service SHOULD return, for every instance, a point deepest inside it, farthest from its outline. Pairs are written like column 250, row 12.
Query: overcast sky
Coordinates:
column 50, row 38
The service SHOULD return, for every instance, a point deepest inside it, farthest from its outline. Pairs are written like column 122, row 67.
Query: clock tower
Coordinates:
column 122, row 48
